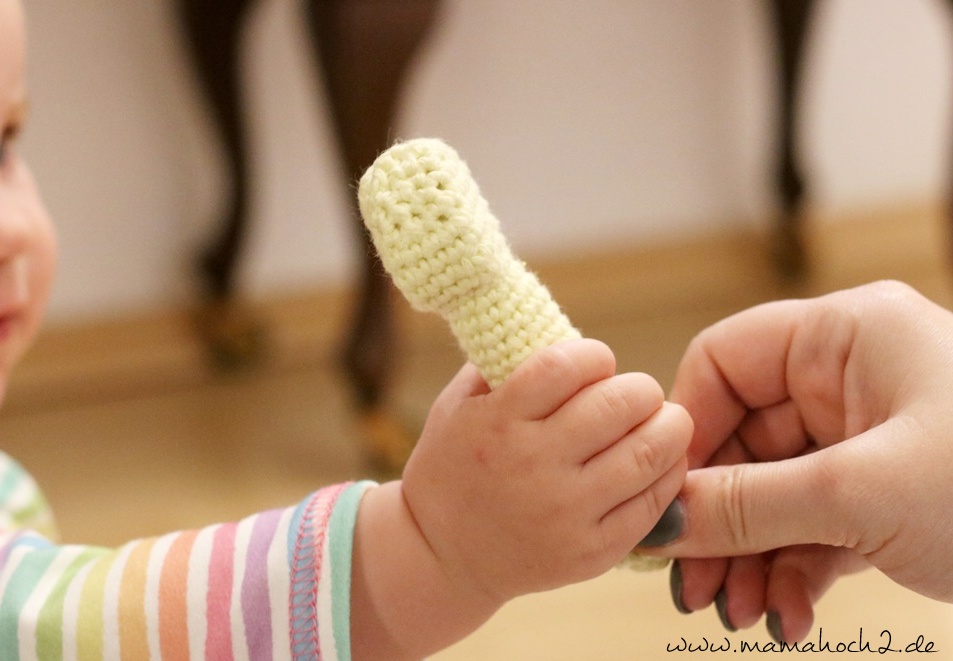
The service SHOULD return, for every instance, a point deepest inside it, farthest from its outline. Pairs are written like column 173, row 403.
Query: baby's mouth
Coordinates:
column 14, row 284
column 14, row 294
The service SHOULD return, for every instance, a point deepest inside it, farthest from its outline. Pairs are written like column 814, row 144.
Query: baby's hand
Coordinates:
column 550, row 479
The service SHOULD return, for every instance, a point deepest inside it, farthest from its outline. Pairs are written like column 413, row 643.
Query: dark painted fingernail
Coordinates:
column 668, row 528
column 721, row 605
column 675, row 585
column 773, row 621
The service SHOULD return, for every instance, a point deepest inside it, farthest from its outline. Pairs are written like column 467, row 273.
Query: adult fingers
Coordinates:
column 740, row 601
column 735, row 585
column 798, row 577
column 695, row 582
column 750, row 508
column 734, row 366
column 624, row 526
column 784, row 585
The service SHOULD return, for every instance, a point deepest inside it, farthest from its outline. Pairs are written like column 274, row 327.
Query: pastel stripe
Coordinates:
column 322, row 515
column 7, row 542
column 133, row 632
column 239, row 556
column 10, row 476
column 29, row 570
column 51, row 625
column 160, row 550
column 197, row 591
column 300, row 572
column 111, row 602
column 304, row 578
column 71, row 602
column 336, row 607
column 279, row 586
column 173, row 607
column 22, row 504
column 255, row 601
column 89, row 625
column 272, row 587
column 21, row 498
column 218, row 646
column 14, row 550
column 30, row 614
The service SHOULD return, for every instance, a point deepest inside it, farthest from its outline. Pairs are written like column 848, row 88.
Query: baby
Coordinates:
column 550, row 479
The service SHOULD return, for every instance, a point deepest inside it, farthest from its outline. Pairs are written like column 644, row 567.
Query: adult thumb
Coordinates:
column 751, row 508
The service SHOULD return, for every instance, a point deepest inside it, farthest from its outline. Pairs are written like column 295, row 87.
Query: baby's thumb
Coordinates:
column 468, row 382
column 751, row 508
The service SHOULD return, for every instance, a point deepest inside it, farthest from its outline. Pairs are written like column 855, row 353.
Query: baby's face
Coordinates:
column 27, row 241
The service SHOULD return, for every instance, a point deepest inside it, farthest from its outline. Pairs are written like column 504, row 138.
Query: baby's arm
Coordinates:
column 274, row 585
column 548, row 480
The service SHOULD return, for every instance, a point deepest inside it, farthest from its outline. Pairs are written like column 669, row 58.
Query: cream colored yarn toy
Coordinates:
column 443, row 248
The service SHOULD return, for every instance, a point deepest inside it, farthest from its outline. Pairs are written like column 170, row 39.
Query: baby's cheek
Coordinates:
column 40, row 281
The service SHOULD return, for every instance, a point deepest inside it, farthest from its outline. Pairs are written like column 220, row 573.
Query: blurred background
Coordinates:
column 630, row 149
column 592, row 124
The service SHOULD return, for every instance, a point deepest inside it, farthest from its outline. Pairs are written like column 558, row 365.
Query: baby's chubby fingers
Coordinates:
column 629, row 467
column 633, row 483
column 602, row 414
column 553, row 375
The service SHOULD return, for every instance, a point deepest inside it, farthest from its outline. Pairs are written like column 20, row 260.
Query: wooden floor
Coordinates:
column 132, row 435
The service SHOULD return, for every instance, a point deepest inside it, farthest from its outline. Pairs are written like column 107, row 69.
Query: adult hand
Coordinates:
column 822, row 444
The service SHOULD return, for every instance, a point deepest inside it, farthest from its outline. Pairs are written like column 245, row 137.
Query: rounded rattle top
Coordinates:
column 444, row 250
column 432, row 228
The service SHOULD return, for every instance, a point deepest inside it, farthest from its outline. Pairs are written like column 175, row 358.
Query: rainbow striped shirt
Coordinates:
column 272, row 587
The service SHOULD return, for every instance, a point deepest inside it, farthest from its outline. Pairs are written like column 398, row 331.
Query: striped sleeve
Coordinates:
column 272, row 587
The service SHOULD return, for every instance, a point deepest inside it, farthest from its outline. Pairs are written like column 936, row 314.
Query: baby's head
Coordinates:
column 27, row 241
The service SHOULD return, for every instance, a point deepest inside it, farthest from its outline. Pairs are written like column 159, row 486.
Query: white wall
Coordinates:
column 587, row 123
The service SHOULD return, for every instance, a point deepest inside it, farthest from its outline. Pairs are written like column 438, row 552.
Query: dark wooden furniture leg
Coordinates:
column 213, row 31
column 365, row 48
column 791, row 20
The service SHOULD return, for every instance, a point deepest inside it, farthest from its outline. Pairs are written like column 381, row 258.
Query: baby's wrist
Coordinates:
column 405, row 601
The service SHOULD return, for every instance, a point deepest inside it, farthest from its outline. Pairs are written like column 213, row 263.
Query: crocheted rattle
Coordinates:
column 443, row 248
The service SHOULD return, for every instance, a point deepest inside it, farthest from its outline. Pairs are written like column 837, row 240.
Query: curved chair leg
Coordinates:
column 365, row 48
column 213, row 31
column 791, row 19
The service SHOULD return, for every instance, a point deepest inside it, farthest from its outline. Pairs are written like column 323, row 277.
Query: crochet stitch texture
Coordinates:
column 442, row 246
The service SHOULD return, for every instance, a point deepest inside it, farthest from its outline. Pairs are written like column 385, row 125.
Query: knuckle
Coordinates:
column 648, row 458
column 631, row 397
column 556, row 362
column 888, row 290
column 613, row 401
column 655, row 504
column 733, row 513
